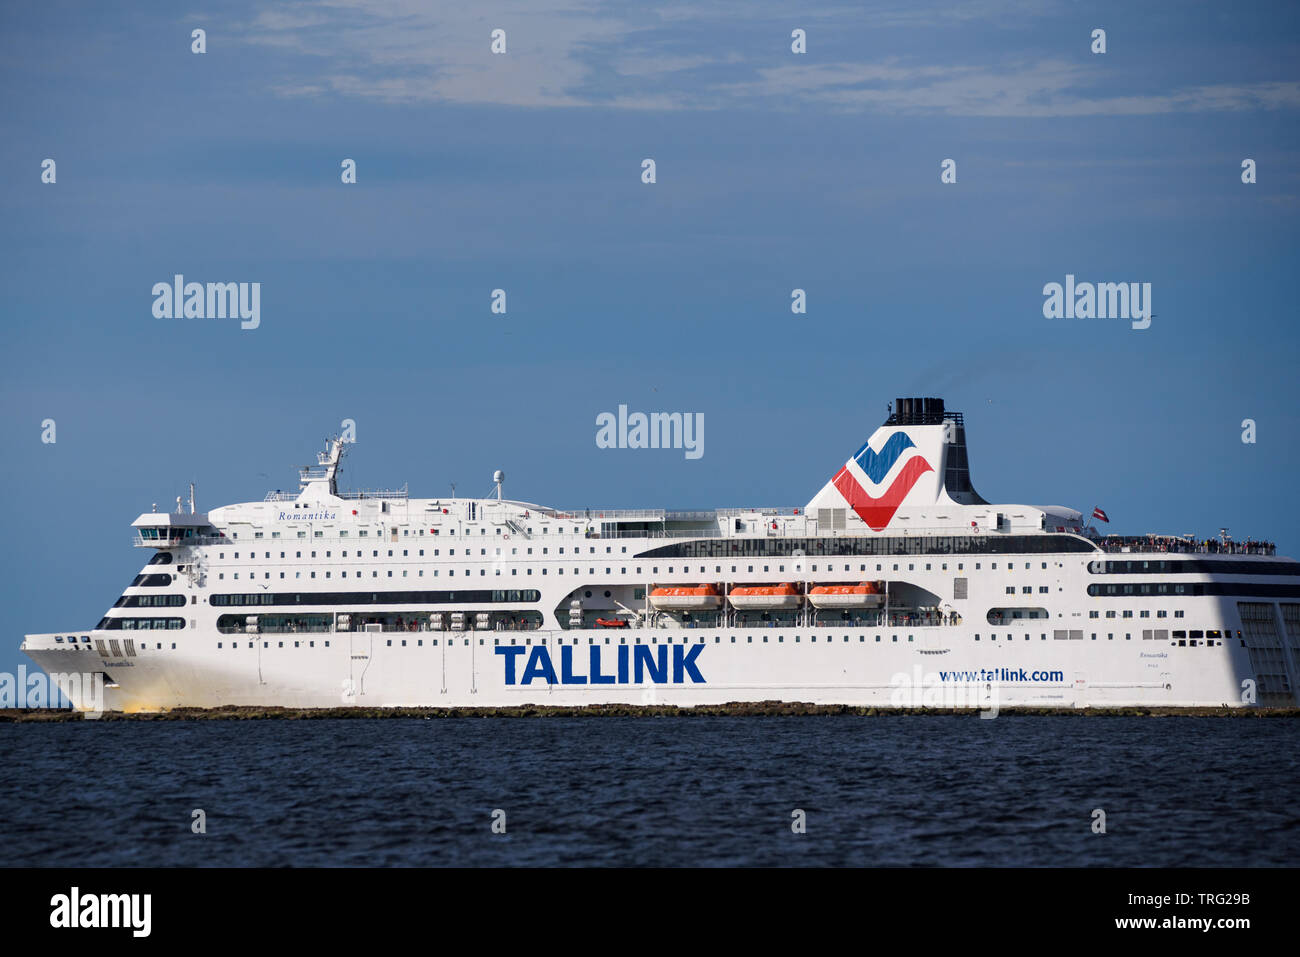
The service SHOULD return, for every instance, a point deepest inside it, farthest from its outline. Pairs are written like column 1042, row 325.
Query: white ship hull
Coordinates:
column 747, row 664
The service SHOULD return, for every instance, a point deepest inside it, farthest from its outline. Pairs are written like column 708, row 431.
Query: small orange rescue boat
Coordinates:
column 765, row 597
column 864, row 595
column 686, row 598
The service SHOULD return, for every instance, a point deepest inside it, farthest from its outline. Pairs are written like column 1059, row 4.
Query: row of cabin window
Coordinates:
column 451, row 572
column 749, row 639
column 146, row 624
column 419, row 642
column 911, row 566
column 1216, row 566
column 364, row 533
column 152, row 601
column 374, row 553
column 1179, row 636
column 1195, row 636
column 1144, row 613
column 608, row 571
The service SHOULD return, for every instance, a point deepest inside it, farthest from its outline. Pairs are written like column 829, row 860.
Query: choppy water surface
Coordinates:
column 914, row 790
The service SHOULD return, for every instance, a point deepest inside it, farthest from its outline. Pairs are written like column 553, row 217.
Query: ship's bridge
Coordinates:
column 167, row 530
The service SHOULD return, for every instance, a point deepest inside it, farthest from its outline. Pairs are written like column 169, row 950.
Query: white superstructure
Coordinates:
column 896, row 584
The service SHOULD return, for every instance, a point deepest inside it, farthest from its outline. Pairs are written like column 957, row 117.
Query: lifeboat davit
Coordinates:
column 865, row 595
column 688, row 598
column 765, row 597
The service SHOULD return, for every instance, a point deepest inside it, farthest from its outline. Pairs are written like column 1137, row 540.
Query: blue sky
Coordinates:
column 522, row 172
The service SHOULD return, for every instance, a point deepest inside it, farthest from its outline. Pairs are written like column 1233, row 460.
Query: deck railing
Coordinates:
column 1158, row 543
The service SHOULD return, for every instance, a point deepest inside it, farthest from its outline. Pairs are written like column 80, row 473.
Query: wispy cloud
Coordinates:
column 1036, row 89
column 408, row 51
column 690, row 57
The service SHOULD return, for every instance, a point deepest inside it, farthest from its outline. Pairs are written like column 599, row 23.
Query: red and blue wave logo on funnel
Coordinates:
column 869, row 466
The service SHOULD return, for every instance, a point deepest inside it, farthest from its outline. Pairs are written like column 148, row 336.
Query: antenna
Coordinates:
column 328, row 464
column 499, row 477
column 191, row 498
column 453, row 489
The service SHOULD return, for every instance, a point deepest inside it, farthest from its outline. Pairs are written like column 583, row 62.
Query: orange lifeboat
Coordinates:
column 687, row 598
column 864, row 595
column 765, row 597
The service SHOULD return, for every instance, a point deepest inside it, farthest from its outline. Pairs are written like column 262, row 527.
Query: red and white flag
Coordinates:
column 1099, row 514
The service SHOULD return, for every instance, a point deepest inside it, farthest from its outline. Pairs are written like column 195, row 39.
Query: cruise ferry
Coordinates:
column 896, row 585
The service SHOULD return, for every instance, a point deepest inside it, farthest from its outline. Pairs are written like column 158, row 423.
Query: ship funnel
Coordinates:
column 917, row 411
column 917, row 458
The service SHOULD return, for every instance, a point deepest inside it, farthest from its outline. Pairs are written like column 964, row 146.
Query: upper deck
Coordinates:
column 907, row 489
